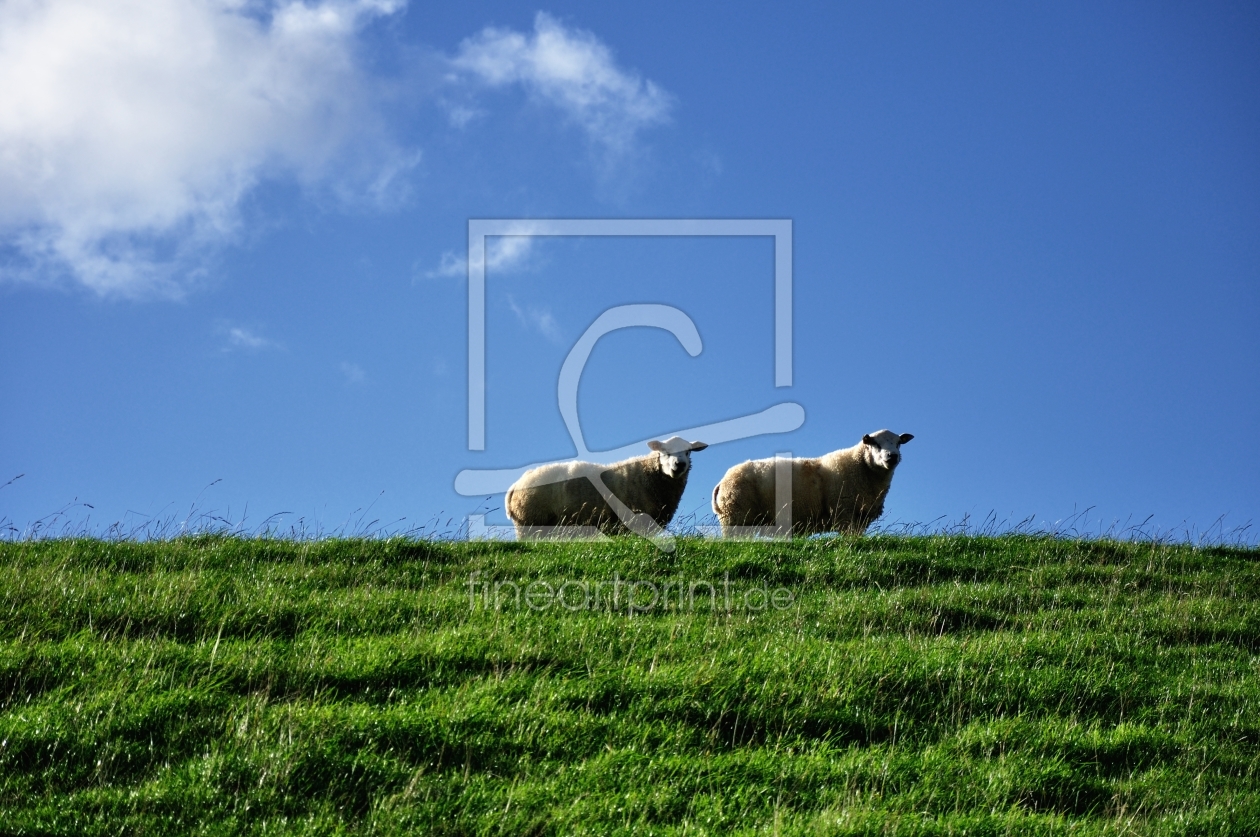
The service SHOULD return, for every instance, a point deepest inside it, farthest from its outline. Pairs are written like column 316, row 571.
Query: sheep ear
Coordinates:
column 698, row 445
column 905, row 437
column 659, row 447
column 867, row 440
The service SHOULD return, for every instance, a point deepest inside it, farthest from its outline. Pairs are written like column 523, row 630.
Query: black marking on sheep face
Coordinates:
column 883, row 448
column 675, row 455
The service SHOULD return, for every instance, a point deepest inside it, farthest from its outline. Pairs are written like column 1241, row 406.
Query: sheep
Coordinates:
column 577, row 493
column 842, row 491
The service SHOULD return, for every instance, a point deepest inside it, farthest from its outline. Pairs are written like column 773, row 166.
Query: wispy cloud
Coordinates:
column 130, row 131
column 238, row 338
column 538, row 318
column 572, row 70
column 460, row 115
column 353, row 372
column 504, row 253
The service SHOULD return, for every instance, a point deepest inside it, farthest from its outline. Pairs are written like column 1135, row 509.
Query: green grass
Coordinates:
column 914, row 685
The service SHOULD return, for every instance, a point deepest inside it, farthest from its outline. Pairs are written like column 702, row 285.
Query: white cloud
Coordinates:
column 573, row 70
column 452, row 265
column 537, row 318
column 504, row 253
column 354, row 372
column 130, row 130
column 238, row 338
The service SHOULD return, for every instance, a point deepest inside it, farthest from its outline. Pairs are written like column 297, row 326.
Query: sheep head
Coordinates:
column 883, row 449
column 675, row 455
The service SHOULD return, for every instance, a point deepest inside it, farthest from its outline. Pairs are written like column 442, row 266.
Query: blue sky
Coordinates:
column 231, row 243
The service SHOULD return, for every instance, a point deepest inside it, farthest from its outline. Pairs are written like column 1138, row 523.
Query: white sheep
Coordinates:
column 842, row 491
column 566, row 494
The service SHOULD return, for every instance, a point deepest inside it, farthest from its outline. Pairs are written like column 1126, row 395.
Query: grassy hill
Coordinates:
column 883, row 685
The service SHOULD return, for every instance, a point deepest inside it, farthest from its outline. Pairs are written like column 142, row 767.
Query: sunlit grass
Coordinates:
column 913, row 685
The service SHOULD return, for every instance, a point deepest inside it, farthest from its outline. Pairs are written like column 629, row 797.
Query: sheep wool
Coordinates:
column 548, row 499
column 842, row 491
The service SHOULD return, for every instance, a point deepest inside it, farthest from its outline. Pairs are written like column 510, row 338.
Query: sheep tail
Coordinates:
column 716, row 488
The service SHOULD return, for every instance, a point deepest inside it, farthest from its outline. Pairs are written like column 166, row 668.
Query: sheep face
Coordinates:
column 883, row 449
column 675, row 455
